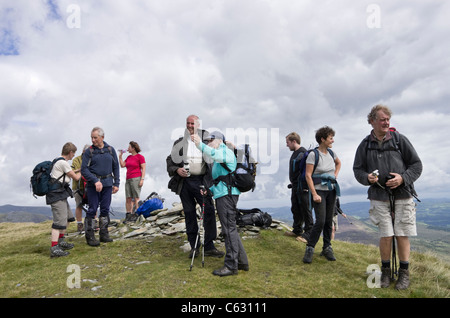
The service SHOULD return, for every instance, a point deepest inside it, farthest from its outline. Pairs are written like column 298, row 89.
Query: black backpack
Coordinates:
column 243, row 178
column 41, row 182
column 254, row 217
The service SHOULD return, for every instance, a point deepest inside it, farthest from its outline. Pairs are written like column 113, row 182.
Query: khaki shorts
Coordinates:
column 405, row 218
column 61, row 214
column 78, row 199
column 132, row 188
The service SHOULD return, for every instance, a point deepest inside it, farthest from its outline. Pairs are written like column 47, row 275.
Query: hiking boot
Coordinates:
column 385, row 279
column 57, row 251
column 225, row 271
column 290, row 233
column 89, row 232
column 80, row 227
column 214, row 253
column 300, row 238
column 104, row 234
column 65, row 245
column 308, row 255
column 328, row 253
column 95, row 225
column 403, row 279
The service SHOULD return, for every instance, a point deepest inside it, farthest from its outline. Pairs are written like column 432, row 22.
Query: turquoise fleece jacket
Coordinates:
column 222, row 154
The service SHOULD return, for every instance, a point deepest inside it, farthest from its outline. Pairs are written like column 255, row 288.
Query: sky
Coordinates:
column 254, row 69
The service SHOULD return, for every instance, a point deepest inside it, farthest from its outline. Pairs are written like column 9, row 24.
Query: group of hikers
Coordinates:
column 199, row 161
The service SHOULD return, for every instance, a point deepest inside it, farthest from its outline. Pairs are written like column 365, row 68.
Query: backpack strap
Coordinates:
column 394, row 145
column 61, row 176
column 299, row 156
column 91, row 151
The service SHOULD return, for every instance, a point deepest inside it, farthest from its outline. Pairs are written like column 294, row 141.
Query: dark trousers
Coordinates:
column 301, row 212
column 190, row 196
column 235, row 252
column 324, row 212
column 95, row 199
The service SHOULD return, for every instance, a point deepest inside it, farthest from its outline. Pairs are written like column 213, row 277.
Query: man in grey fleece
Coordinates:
column 397, row 166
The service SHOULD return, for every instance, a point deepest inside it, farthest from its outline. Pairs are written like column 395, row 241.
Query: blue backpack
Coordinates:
column 152, row 203
column 41, row 182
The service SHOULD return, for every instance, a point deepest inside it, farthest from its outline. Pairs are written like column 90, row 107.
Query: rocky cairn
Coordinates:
column 170, row 222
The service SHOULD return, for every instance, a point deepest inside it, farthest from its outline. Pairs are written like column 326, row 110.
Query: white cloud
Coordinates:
column 138, row 68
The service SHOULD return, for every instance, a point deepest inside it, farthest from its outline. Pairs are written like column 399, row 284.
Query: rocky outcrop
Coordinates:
column 170, row 222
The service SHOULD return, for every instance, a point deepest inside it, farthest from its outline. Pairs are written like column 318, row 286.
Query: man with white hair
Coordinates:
column 100, row 168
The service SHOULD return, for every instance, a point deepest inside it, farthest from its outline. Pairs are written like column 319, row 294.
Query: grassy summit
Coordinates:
column 158, row 268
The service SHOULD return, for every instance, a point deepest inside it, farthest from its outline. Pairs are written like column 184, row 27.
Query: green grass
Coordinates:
column 276, row 269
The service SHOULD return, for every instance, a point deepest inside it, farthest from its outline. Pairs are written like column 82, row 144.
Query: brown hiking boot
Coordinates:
column 403, row 279
column 385, row 280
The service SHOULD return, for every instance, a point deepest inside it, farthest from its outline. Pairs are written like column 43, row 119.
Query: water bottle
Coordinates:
column 186, row 167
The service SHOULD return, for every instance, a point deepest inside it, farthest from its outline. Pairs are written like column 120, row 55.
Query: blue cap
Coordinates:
column 214, row 135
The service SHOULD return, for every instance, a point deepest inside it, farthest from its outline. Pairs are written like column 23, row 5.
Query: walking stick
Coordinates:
column 394, row 254
column 203, row 192
column 193, row 254
column 392, row 206
column 200, row 229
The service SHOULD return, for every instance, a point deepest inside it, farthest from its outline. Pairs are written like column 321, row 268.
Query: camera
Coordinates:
column 389, row 177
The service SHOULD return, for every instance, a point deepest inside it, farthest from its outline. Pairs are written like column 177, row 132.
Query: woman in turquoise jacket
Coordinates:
column 226, row 201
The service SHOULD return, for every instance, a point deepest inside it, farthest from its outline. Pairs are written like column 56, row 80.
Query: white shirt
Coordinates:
column 59, row 168
column 194, row 157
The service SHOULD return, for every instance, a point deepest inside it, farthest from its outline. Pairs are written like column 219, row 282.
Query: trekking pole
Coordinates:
column 193, row 254
column 392, row 206
column 203, row 192
column 200, row 228
column 339, row 210
column 394, row 254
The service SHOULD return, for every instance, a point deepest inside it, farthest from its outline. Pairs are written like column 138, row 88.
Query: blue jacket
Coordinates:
column 101, row 164
column 222, row 154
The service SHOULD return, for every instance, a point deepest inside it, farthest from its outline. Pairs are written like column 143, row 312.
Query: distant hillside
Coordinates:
column 34, row 214
column 432, row 212
column 21, row 214
column 21, row 217
column 45, row 210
